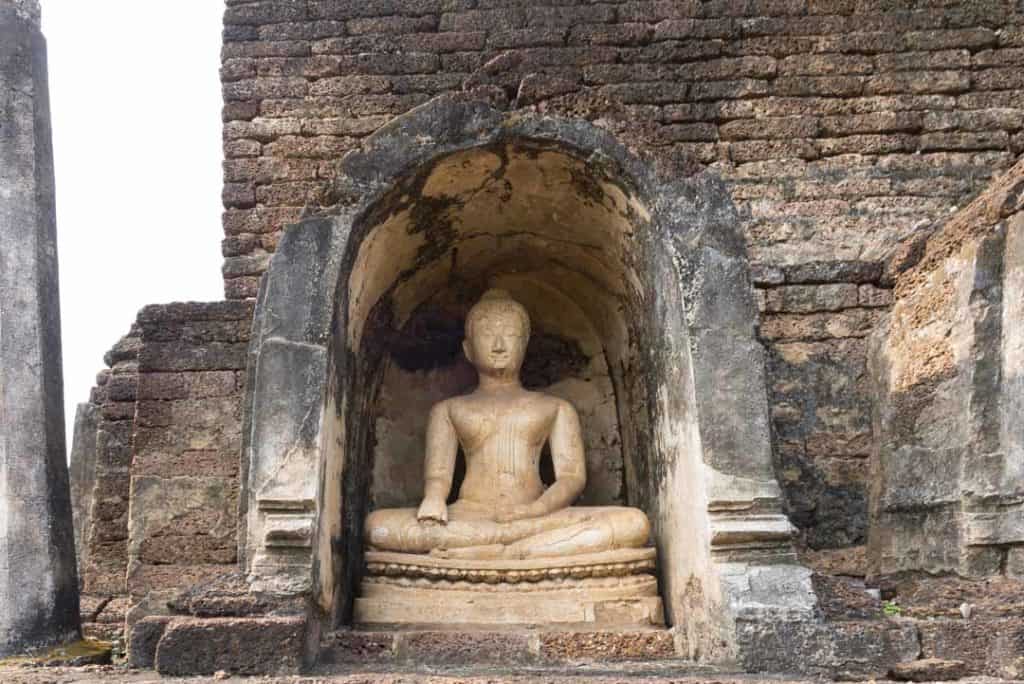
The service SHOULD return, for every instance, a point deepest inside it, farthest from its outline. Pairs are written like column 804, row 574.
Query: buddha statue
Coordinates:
column 504, row 511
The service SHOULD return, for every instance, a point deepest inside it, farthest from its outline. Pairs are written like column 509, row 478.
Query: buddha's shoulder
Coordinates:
column 548, row 401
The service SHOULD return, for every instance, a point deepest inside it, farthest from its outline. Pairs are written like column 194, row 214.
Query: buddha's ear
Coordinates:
column 466, row 350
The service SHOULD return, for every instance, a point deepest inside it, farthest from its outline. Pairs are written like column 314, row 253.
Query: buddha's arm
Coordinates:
column 568, row 458
column 439, row 467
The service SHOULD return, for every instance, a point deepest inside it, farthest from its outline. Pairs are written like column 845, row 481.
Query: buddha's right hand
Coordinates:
column 433, row 510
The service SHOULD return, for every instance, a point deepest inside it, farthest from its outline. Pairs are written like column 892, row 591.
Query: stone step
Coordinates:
column 466, row 647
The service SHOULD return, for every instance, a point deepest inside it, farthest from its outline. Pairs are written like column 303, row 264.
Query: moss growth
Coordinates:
column 83, row 652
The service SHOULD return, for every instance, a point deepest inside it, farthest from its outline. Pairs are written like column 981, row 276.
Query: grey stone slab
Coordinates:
column 38, row 578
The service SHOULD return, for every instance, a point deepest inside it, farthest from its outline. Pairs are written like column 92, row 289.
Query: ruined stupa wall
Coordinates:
column 187, row 441
column 947, row 371
column 840, row 128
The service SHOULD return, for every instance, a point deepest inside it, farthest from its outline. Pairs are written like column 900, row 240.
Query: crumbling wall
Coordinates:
column 164, row 499
column 185, row 466
column 103, row 556
column 948, row 365
column 840, row 128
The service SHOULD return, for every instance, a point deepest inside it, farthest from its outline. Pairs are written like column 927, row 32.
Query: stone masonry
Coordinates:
column 840, row 128
column 162, row 506
column 38, row 579
column 103, row 555
column 868, row 146
column 948, row 368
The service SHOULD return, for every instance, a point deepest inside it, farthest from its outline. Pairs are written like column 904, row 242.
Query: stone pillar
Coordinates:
column 38, row 584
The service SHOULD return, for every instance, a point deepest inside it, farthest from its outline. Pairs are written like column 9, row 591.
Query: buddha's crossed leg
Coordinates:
column 471, row 535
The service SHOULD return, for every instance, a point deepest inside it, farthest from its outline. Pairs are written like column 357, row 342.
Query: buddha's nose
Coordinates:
column 499, row 344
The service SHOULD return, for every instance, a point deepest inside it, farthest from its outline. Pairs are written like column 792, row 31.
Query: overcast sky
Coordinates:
column 135, row 100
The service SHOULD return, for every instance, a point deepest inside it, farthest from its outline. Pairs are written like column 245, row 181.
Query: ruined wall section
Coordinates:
column 163, row 506
column 103, row 559
column 840, row 126
column 187, row 443
column 947, row 491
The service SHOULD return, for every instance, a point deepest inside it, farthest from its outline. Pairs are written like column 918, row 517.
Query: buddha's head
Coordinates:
column 497, row 330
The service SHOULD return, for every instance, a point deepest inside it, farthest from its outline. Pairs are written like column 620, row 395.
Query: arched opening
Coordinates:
column 637, row 282
column 568, row 240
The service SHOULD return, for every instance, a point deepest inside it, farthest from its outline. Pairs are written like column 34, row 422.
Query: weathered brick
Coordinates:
column 820, row 326
column 316, row 147
column 261, row 129
column 825, row 65
column 718, row 90
column 258, row 88
column 830, row 86
column 342, row 86
column 243, row 148
column 867, row 144
column 647, row 93
column 979, row 140
column 1011, row 78
column 970, row 39
column 919, row 61
column 238, row 195
column 265, row 12
column 770, row 127
column 483, row 20
column 351, row 9
column 301, row 30
column 694, row 132
column 259, row 220
column 235, row 245
column 610, row 34
column 395, row 25
column 568, row 16
column 757, row 150
column 270, row 48
column 982, row 120
column 811, row 298
column 389, row 63
column 657, row 10
column 672, row 51
column 730, row 68
column 998, row 58
column 626, row 73
column 289, row 194
column 237, row 69
column 880, row 122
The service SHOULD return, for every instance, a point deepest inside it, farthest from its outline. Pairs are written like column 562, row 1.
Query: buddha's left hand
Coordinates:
column 519, row 512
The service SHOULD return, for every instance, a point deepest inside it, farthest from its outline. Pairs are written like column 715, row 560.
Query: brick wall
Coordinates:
column 949, row 384
column 103, row 558
column 841, row 127
column 187, row 444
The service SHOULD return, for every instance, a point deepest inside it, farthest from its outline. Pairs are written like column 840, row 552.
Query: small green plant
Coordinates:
column 891, row 608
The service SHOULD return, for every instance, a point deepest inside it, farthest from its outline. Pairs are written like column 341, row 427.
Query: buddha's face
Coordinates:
column 497, row 342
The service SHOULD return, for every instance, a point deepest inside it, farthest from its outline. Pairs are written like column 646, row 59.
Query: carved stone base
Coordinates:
column 611, row 589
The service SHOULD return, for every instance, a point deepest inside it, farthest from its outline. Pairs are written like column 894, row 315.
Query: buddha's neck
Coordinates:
column 499, row 383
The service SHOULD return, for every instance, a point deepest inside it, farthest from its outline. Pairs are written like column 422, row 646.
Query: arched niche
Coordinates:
column 636, row 280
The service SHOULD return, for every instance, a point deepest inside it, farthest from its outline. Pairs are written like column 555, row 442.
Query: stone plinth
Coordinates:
column 606, row 590
column 38, row 585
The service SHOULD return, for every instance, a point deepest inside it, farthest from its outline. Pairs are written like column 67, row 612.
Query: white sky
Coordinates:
column 135, row 99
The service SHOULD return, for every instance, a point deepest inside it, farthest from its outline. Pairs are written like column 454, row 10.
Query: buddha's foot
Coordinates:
column 486, row 552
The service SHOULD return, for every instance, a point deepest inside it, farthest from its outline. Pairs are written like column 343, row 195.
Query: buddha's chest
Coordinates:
column 507, row 424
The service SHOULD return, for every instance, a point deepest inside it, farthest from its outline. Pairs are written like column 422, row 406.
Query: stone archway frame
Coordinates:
column 725, row 548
